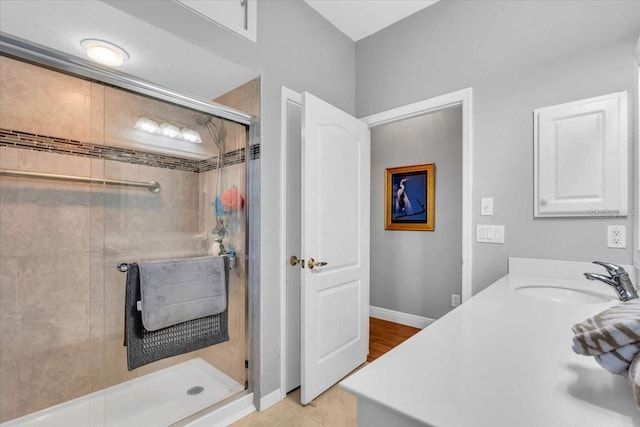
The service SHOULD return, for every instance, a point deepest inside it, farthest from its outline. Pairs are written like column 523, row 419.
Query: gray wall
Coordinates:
column 417, row 271
column 517, row 56
column 296, row 48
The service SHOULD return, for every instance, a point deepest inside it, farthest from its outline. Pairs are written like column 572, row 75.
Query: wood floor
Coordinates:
column 383, row 336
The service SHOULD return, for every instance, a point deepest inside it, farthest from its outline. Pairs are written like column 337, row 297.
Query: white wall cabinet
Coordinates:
column 238, row 16
column 580, row 152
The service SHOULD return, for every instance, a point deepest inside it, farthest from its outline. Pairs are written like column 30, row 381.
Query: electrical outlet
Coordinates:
column 616, row 236
column 455, row 300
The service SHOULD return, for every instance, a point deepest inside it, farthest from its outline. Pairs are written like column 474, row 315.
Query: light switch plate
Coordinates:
column 486, row 206
column 490, row 234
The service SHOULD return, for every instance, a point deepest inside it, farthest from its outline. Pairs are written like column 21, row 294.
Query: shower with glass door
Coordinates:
column 98, row 182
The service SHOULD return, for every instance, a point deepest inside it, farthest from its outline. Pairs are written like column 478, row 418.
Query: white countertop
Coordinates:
column 503, row 359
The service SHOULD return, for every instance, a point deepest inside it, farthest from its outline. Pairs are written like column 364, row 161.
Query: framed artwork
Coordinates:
column 409, row 198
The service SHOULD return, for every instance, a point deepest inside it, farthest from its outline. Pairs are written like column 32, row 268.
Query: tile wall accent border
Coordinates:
column 231, row 158
column 30, row 141
column 254, row 151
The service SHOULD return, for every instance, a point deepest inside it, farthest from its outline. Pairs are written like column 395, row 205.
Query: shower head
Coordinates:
column 215, row 134
column 213, row 131
column 202, row 119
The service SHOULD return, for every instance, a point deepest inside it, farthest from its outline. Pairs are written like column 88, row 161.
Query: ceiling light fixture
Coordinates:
column 191, row 136
column 145, row 124
column 167, row 129
column 104, row 53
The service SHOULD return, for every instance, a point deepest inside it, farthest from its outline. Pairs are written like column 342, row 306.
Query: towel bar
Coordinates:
column 123, row 267
column 152, row 186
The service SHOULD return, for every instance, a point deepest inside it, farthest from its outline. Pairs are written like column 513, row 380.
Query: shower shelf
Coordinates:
column 152, row 186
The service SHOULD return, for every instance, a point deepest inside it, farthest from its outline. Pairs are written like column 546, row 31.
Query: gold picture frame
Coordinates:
column 409, row 202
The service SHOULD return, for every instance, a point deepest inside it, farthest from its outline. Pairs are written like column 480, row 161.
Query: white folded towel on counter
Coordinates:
column 634, row 378
column 609, row 330
column 617, row 361
column 613, row 337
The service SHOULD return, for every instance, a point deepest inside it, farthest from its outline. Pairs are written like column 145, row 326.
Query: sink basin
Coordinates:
column 566, row 295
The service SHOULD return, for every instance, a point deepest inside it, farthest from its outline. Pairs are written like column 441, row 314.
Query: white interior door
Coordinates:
column 335, row 229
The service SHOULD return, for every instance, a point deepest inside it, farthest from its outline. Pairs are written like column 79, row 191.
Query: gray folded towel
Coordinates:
column 148, row 346
column 176, row 291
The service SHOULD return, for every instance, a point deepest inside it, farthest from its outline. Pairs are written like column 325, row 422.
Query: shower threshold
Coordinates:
column 158, row 399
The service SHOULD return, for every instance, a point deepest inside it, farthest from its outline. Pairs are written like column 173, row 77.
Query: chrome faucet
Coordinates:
column 618, row 279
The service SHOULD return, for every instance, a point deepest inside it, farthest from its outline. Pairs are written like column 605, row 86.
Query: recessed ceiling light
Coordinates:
column 104, row 53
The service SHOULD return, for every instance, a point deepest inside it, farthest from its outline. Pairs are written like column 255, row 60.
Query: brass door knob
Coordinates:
column 295, row 261
column 313, row 263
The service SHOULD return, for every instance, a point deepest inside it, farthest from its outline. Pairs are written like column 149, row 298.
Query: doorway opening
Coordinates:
column 462, row 98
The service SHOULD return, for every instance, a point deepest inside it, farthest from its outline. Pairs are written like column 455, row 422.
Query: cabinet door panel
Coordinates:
column 581, row 158
column 238, row 16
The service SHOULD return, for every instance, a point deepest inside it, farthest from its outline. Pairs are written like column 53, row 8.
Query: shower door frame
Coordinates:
column 41, row 55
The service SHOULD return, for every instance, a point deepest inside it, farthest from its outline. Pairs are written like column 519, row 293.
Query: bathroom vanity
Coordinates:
column 503, row 358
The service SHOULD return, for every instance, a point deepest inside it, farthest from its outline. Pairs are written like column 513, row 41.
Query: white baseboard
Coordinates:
column 228, row 414
column 269, row 400
column 400, row 317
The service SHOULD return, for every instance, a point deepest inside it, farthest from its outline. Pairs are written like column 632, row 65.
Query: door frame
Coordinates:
column 636, row 176
column 463, row 97
column 287, row 96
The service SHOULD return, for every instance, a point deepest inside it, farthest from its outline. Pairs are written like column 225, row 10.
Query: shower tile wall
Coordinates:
column 64, row 102
column 61, row 297
column 47, row 306
column 45, row 273
column 139, row 226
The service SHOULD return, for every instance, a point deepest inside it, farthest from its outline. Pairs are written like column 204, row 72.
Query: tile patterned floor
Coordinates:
column 333, row 408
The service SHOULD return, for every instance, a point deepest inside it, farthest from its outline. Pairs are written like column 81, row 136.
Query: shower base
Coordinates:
column 154, row 400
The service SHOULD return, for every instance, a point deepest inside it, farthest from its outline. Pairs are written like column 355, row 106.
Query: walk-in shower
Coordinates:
column 84, row 192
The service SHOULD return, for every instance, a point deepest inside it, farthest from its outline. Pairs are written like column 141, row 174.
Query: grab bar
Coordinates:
column 152, row 186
